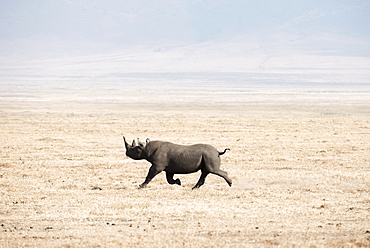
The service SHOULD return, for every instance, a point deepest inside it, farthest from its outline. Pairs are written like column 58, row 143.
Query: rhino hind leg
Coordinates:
column 201, row 180
column 170, row 179
column 212, row 165
column 224, row 175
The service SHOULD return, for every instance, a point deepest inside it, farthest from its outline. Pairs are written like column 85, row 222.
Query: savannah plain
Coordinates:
column 301, row 172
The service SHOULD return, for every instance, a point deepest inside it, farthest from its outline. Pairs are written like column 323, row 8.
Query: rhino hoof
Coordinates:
column 178, row 182
column 141, row 186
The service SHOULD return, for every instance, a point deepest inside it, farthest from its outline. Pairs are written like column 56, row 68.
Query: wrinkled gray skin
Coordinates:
column 177, row 159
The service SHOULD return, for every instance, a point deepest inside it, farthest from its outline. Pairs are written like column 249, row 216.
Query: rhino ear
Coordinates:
column 147, row 141
column 141, row 144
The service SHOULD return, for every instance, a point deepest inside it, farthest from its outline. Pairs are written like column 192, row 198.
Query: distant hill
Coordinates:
column 82, row 25
column 328, row 40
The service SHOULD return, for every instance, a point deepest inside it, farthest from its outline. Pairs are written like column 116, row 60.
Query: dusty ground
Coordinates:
column 301, row 178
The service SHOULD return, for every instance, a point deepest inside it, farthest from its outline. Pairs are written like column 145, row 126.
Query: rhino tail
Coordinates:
column 222, row 153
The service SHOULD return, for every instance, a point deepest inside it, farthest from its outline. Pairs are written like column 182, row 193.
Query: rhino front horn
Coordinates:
column 126, row 144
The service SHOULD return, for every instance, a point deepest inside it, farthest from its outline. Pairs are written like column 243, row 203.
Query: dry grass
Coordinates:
column 299, row 180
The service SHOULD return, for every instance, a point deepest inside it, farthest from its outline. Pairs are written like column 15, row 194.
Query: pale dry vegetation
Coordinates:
column 300, row 179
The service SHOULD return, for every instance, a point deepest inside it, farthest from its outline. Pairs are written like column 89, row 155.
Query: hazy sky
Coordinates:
column 74, row 25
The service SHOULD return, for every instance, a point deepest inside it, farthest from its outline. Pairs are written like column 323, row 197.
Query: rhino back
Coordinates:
column 187, row 159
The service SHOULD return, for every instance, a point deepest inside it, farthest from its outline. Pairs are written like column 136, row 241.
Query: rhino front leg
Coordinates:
column 153, row 171
column 170, row 179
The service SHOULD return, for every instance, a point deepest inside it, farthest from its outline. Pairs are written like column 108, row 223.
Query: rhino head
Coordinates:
column 136, row 150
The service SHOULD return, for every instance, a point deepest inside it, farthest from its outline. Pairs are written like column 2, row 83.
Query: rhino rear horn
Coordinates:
column 135, row 143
